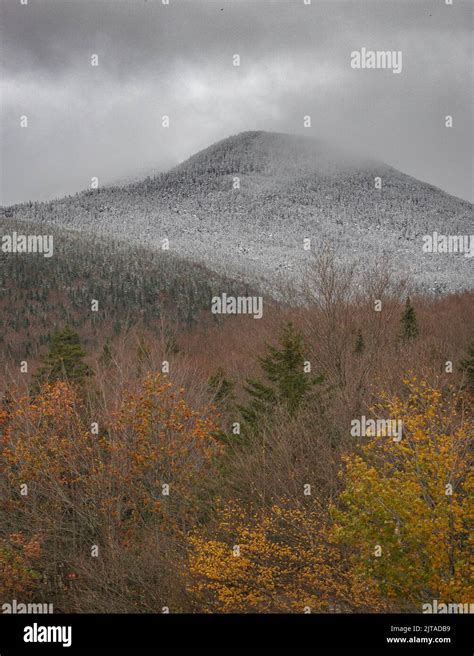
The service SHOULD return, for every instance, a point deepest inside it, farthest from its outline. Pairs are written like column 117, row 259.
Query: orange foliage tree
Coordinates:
column 162, row 442
column 18, row 557
column 79, row 485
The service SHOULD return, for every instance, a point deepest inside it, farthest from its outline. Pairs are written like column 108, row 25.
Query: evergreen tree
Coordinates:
column 359, row 344
column 64, row 360
column 287, row 382
column 222, row 390
column 221, row 387
column 106, row 355
column 467, row 367
column 409, row 322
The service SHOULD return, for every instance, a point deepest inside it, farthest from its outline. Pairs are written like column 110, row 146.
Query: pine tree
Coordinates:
column 64, row 360
column 359, row 346
column 221, row 387
column 222, row 390
column 106, row 355
column 409, row 323
column 287, row 384
column 467, row 367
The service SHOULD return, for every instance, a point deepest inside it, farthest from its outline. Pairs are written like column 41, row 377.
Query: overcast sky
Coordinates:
column 176, row 59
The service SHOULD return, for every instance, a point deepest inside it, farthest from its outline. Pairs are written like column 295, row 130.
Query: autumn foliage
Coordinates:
column 18, row 557
column 102, row 486
column 129, row 491
column 279, row 559
column 413, row 500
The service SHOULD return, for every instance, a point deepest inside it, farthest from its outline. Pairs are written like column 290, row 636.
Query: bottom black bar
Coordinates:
column 294, row 634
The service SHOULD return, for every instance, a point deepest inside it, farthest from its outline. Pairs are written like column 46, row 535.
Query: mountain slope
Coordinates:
column 245, row 205
column 133, row 286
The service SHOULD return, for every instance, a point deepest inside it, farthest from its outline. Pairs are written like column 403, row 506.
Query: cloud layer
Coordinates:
column 177, row 59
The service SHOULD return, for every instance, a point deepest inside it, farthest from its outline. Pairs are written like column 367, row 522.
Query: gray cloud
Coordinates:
column 177, row 60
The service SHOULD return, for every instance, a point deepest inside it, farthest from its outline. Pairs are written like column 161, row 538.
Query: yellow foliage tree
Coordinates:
column 406, row 507
column 274, row 560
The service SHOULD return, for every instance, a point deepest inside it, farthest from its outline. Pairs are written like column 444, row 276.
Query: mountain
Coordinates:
column 244, row 205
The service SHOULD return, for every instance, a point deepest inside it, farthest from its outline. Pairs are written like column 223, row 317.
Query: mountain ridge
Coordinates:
column 246, row 203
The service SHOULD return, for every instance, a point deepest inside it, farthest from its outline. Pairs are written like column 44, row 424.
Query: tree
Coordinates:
column 467, row 366
column 284, row 370
column 273, row 560
column 132, row 489
column 359, row 346
column 168, row 442
column 64, row 360
column 409, row 322
column 106, row 355
column 18, row 556
column 221, row 387
column 406, row 507
column 143, row 355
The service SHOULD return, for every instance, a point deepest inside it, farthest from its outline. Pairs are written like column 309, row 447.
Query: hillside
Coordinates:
column 291, row 188
column 134, row 286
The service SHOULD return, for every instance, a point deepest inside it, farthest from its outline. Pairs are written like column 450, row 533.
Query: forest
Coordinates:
column 209, row 466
